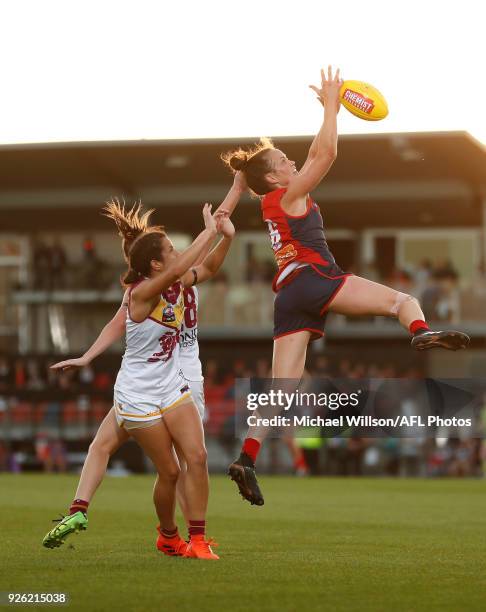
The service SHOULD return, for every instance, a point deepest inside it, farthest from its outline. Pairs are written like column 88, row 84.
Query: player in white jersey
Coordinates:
column 150, row 381
column 189, row 350
column 110, row 437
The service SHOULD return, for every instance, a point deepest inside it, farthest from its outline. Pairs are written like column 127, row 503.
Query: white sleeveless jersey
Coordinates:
column 150, row 365
column 189, row 348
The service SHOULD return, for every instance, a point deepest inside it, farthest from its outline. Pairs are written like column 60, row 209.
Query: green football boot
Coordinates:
column 67, row 525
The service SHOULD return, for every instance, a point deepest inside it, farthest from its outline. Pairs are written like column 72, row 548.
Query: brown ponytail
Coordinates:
column 130, row 223
column 253, row 163
column 140, row 242
column 131, row 276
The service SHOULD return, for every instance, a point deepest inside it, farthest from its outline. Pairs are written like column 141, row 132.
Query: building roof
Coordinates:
column 436, row 178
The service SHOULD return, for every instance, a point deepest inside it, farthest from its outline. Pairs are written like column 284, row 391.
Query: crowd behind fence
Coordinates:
column 48, row 419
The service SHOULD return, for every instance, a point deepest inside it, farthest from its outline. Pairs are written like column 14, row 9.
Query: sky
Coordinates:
column 115, row 70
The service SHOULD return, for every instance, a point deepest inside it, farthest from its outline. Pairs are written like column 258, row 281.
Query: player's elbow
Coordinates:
column 208, row 270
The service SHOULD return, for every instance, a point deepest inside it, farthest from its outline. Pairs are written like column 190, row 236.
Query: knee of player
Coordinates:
column 104, row 447
column 197, row 458
column 399, row 301
column 174, row 473
column 169, row 473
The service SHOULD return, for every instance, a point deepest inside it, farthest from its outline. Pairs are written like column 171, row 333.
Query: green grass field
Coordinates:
column 317, row 544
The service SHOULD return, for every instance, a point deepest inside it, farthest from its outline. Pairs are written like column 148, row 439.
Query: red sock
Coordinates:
column 251, row 447
column 79, row 505
column 197, row 528
column 417, row 325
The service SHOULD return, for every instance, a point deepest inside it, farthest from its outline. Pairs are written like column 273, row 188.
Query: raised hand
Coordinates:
column 328, row 92
column 209, row 220
column 224, row 224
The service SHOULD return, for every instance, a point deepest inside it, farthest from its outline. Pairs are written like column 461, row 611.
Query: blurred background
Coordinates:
column 406, row 209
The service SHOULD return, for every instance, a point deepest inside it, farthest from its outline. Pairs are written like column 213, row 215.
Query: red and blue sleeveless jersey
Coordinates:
column 296, row 239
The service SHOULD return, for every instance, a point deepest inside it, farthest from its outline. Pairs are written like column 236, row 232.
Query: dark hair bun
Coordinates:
column 239, row 161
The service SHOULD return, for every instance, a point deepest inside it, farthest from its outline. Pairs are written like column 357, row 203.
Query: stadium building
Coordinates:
column 408, row 210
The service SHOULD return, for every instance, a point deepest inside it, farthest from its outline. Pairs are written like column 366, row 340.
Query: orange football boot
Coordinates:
column 173, row 547
column 199, row 548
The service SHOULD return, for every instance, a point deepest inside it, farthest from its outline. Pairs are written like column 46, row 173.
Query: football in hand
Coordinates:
column 363, row 100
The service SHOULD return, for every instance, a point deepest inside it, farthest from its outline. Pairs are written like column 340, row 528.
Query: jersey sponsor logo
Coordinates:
column 359, row 101
column 275, row 237
column 285, row 255
column 167, row 342
column 188, row 338
column 184, row 389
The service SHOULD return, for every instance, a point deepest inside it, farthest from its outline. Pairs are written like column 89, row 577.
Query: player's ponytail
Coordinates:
column 253, row 163
column 130, row 223
column 140, row 242
column 131, row 276
column 238, row 160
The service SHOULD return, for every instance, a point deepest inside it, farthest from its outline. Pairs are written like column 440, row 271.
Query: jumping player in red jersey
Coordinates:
column 309, row 283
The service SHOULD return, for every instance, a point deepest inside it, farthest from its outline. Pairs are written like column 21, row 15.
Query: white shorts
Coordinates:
column 134, row 410
column 197, row 392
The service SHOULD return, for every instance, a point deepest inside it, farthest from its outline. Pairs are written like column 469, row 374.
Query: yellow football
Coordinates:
column 363, row 100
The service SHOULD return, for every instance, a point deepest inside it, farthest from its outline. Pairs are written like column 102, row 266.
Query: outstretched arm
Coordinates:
column 323, row 150
column 212, row 263
column 234, row 194
column 110, row 333
column 227, row 206
column 143, row 295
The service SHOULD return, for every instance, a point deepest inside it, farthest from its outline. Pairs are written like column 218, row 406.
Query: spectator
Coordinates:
column 211, row 373
column 86, row 376
column 92, row 274
column 3, row 457
column 263, row 369
column 58, row 262
column 20, row 375
column 446, row 270
column 89, row 250
column 103, row 381
column 448, row 306
column 422, row 275
column 41, row 265
column 430, row 299
column 321, row 366
column 34, row 379
column 5, row 373
column 461, row 462
column 51, row 453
